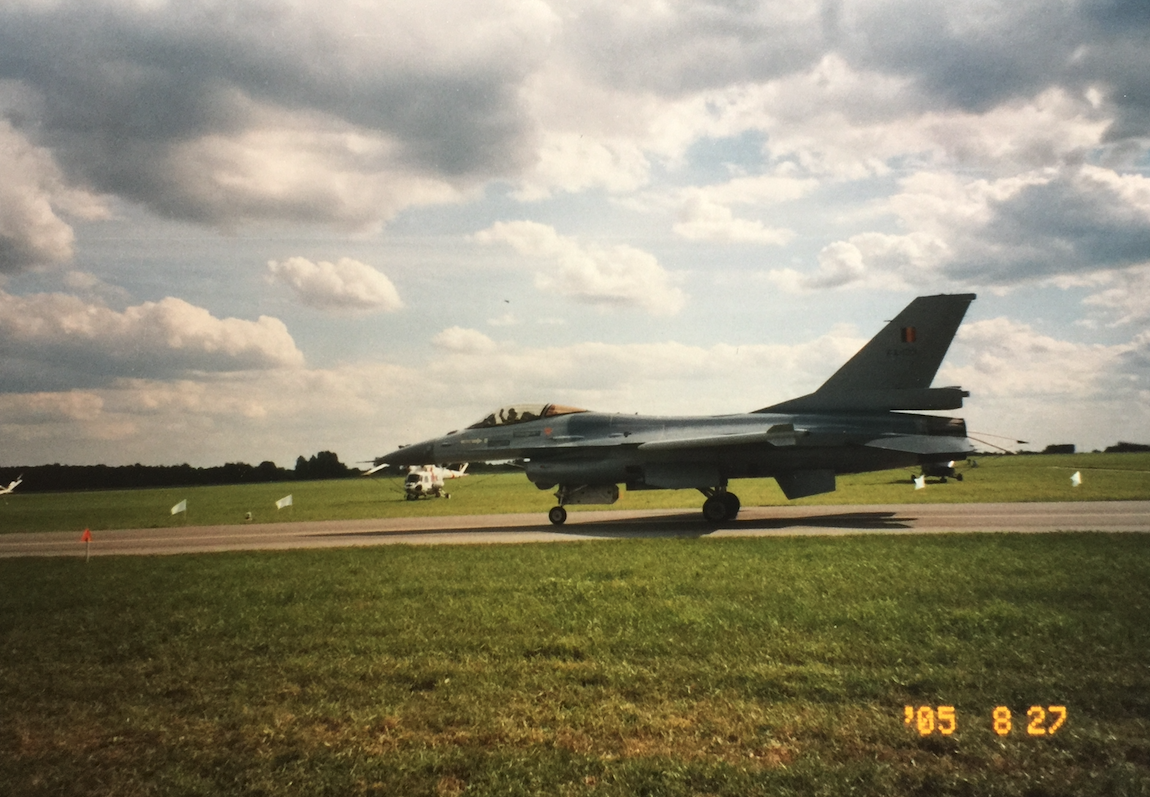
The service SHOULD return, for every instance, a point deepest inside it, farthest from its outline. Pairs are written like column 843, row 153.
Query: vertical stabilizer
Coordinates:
column 907, row 352
column 894, row 370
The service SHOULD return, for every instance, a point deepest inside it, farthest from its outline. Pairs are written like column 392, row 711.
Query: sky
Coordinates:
column 249, row 230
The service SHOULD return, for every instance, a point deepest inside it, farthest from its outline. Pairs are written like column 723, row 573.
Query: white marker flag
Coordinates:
column 919, row 482
column 1076, row 479
column 285, row 501
column 180, row 507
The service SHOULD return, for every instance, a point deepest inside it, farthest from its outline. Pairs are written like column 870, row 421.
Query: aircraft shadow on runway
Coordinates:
column 690, row 524
column 687, row 524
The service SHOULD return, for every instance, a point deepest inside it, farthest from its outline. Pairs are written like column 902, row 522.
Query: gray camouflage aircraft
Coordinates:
column 854, row 423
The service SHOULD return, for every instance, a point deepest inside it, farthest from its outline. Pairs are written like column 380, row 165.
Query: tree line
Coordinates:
column 62, row 478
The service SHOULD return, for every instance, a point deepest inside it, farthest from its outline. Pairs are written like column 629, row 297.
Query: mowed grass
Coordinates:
column 1014, row 478
column 768, row 666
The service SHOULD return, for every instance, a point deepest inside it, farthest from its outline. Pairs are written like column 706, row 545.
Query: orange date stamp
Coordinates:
column 943, row 720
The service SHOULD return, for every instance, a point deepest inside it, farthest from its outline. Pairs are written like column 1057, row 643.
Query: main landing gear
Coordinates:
column 720, row 505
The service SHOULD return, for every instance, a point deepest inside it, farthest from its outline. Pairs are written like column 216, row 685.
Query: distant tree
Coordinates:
column 267, row 471
column 1059, row 448
column 324, row 465
column 1127, row 448
column 64, row 478
column 236, row 473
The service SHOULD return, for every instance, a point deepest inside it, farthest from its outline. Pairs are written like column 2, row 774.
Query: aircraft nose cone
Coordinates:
column 418, row 454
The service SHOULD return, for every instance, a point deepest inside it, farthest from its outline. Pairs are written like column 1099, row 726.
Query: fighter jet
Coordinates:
column 855, row 422
column 11, row 486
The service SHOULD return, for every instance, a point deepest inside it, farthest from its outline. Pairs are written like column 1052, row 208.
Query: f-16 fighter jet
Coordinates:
column 855, row 422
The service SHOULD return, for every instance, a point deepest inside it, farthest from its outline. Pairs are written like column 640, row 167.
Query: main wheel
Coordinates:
column 732, row 503
column 715, row 509
column 557, row 515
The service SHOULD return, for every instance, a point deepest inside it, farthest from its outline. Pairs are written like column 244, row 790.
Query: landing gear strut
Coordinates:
column 581, row 494
column 720, row 505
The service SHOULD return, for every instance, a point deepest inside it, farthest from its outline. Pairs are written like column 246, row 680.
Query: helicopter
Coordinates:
column 425, row 481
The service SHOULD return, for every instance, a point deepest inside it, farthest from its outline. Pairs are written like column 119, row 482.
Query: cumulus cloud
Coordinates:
column 613, row 276
column 33, row 195
column 875, row 62
column 704, row 214
column 655, row 378
column 274, row 414
column 266, row 111
column 701, row 220
column 842, row 121
column 346, row 113
column 840, row 264
column 974, row 56
column 679, row 48
column 291, row 166
column 49, row 337
column 279, row 413
column 464, row 341
column 1034, row 386
column 1058, row 221
column 1048, row 225
column 90, row 287
column 1125, row 299
column 1020, row 379
column 30, row 409
column 961, row 144
column 872, row 260
column 571, row 161
column 1005, row 357
column 344, row 286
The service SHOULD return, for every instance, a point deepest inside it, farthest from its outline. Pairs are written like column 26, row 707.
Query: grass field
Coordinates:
column 641, row 667
column 1015, row 478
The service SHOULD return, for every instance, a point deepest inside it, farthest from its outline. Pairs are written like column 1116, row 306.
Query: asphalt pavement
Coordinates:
column 1112, row 516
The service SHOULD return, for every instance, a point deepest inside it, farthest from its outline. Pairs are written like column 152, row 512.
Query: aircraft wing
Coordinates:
column 782, row 434
column 923, row 444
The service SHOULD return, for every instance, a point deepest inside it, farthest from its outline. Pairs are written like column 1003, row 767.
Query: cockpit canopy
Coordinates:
column 521, row 413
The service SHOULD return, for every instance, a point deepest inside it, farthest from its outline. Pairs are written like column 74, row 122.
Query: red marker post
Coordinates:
column 86, row 538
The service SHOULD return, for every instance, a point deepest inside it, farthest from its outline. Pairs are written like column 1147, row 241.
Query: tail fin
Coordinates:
column 894, row 370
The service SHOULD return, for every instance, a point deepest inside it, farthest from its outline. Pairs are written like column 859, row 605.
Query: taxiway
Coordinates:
column 1115, row 516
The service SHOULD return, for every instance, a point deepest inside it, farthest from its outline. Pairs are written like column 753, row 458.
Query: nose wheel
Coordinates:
column 557, row 515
